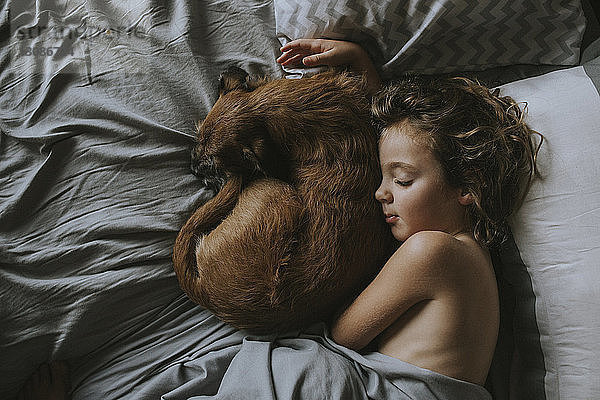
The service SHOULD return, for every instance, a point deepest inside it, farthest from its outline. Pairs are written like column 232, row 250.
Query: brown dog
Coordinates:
column 296, row 232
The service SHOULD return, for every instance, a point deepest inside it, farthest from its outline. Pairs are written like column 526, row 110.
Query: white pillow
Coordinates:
column 557, row 233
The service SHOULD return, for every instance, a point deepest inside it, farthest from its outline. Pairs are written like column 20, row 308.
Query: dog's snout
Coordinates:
column 209, row 174
column 194, row 163
column 196, row 170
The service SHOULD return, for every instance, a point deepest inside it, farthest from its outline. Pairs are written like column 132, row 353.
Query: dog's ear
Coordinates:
column 233, row 79
column 267, row 158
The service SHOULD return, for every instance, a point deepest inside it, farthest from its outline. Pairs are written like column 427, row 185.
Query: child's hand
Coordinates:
column 313, row 52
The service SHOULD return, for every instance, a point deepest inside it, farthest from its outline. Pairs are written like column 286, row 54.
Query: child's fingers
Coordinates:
column 311, row 60
column 309, row 45
column 284, row 57
column 325, row 58
column 296, row 44
column 294, row 60
column 311, row 52
column 289, row 54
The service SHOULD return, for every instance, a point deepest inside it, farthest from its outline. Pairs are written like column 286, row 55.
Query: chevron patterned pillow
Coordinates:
column 437, row 36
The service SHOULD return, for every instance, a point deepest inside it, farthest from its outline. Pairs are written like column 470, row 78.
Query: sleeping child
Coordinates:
column 456, row 161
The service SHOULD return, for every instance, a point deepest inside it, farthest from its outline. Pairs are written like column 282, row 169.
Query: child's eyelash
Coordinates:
column 402, row 183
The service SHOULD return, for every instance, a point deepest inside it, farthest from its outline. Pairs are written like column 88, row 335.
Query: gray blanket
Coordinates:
column 98, row 102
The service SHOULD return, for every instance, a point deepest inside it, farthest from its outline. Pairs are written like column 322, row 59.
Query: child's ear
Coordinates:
column 465, row 198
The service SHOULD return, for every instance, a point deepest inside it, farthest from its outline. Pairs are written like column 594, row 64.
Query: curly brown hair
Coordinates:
column 479, row 138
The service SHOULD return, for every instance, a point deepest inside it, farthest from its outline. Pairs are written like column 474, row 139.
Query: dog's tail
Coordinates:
column 202, row 221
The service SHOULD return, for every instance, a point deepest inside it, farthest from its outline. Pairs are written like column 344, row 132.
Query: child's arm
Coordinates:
column 313, row 52
column 418, row 271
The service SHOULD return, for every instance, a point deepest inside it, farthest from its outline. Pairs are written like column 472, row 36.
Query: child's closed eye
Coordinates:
column 402, row 183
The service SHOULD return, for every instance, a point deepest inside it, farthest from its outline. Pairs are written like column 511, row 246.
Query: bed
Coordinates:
column 98, row 106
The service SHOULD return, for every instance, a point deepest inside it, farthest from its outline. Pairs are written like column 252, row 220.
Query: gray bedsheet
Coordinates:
column 98, row 102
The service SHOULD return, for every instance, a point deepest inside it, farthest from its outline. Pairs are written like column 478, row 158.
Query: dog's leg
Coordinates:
column 204, row 219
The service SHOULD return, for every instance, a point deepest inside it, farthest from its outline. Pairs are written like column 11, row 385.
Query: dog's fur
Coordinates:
column 295, row 232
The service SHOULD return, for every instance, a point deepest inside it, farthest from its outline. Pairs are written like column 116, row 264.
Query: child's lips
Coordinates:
column 390, row 218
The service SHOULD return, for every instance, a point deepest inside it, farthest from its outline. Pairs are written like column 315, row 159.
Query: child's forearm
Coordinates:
column 348, row 333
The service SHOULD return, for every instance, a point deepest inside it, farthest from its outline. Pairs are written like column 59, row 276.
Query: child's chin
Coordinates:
column 399, row 236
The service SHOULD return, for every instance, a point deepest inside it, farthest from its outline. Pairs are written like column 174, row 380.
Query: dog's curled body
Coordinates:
column 295, row 232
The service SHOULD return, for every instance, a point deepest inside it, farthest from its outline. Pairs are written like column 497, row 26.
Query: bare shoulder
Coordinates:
column 436, row 243
column 431, row 247
column 441, row 257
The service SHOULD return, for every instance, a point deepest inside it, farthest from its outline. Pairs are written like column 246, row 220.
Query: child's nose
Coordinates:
column 382, row 195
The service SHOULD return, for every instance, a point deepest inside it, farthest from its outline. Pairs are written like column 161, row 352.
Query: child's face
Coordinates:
column 413, row 192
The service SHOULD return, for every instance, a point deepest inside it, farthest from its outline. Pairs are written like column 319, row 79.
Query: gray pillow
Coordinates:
column 442, row 35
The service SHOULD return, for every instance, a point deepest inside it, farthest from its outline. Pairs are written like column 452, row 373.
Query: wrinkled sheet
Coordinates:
column 98, row 105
